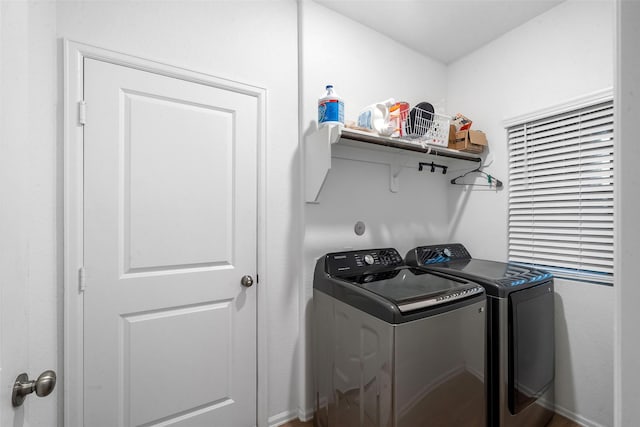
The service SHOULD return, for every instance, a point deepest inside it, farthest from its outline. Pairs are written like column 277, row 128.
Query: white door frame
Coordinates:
column 74, row 55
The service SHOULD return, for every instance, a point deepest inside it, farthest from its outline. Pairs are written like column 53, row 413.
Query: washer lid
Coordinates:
column 377, row 282
column 412, row 289
column 498, row 278
column 492, row 270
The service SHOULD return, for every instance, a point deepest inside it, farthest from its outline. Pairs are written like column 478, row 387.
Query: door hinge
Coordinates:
column 82, row 280
column 82, row 112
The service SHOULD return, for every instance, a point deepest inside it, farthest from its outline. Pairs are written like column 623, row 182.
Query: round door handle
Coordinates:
column 43, row 386
column 246, row 281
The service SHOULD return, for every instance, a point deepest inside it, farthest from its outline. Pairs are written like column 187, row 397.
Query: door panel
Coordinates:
column 170, row 228
column 160, row 136
column 146, row 337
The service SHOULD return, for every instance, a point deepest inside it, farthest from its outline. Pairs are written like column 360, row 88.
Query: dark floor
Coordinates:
column 556, row 421
column 436, row 408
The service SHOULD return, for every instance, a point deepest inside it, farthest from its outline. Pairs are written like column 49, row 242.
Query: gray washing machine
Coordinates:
column 520, row 332
column 395, row 346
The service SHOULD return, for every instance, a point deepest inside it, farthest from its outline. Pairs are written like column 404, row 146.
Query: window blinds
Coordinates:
column 561, row 193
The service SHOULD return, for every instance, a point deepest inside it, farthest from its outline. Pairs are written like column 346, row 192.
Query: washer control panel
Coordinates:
column 357, row 262
column 434, row 254
column 531, row 276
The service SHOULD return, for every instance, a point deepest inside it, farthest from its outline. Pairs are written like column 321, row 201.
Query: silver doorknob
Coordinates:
column 246, row 281
column 43, row 386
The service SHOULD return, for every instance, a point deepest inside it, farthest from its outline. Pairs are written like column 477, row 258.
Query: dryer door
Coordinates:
column 531, row 345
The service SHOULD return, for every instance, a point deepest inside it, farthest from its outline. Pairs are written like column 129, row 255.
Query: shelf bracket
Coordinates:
column 317, row 153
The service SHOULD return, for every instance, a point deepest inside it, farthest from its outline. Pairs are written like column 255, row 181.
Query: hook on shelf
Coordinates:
column 433, row 166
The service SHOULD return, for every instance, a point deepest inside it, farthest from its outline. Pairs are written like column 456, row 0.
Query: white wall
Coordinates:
column 560, row 55
column 253, row 42
column 348, row 55
column 29, row 215
column 365, row 67
column 627, row 374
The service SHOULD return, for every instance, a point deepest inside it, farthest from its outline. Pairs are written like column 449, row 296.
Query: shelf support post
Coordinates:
column 395, row 167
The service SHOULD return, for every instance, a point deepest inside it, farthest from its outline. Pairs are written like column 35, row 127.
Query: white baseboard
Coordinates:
column 281, row 418
column 579, row 419
column 305, row 414
column 576, row 418
column 286, row 416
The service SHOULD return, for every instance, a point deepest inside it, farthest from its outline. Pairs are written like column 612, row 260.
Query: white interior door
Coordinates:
column 170, row 229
